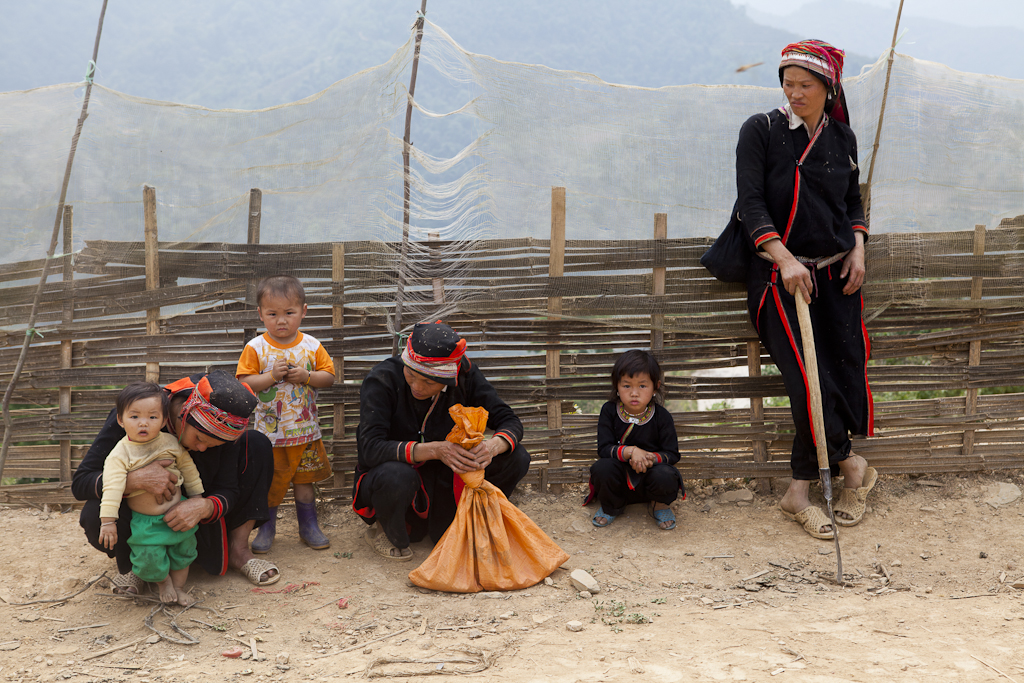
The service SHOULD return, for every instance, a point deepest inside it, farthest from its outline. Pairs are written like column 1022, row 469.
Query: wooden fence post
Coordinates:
column 338, row 323
column 760, row 448
column 152, row 273
column 974, row 348
column 253, row 237
column 64, row 393
column 437, row 283
column 658, row 287
column 556, row 268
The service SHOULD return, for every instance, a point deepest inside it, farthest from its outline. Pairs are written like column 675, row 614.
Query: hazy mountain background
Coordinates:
column 995, row 48
column 259, row 53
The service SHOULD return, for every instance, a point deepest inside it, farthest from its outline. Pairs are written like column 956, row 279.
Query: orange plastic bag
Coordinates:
column 491, row 545
column 470, row 424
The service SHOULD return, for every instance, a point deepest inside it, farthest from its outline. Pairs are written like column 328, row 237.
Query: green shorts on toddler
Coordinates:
column 156, row 548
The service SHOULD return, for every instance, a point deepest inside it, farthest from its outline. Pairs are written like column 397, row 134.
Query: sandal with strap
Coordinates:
column 853, row 502
column 662, row 516
column 254, row 569
column 381, row 545
column 811, row 519
column 601, row 513
column 128, row 584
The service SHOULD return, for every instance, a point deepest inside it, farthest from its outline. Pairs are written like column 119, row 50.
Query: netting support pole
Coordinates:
column 152, row 273
column 338, row 323
column 881, row 111
column 553, row 370
column 974, row 348
column 67, row 317
column 406, row 146
column 33, row 313
column 658, row 285
column 760, row 448
column 252, row 238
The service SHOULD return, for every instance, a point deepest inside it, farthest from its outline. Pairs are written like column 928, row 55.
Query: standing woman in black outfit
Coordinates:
column 799, row 199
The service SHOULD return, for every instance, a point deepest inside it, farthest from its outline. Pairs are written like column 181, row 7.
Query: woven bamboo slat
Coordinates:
column 499, row 293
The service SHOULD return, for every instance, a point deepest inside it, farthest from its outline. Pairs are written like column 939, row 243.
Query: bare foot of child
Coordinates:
column 178, row 577
column 184, row 599
column 168, row 593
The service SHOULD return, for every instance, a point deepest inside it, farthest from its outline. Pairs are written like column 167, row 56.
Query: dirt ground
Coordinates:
column 735, row 593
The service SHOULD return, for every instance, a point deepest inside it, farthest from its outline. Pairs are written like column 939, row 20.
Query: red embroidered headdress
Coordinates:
column 826, row 63
column 435, row 350
column 218, row 404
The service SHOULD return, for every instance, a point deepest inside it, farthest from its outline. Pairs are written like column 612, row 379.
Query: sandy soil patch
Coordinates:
column 735, row 593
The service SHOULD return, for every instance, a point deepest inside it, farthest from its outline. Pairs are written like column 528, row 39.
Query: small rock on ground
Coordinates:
column 737, row 496
column 1001, row 494
column 583, row 581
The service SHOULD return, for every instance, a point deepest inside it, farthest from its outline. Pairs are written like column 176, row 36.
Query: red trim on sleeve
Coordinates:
column 765, row 237
column 508, row 437
column 218, row 510
column 619, row 452
column 409, row 445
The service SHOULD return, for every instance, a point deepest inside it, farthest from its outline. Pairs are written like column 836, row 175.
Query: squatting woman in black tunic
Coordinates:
column 797, row 179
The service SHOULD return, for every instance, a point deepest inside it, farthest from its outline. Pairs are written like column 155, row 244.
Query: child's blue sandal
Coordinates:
column 601, row 513
column 662, row 516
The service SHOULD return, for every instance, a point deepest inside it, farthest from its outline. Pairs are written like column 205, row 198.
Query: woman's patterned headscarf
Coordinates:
column 435, row 351
column 217, row 404
column 826, row 63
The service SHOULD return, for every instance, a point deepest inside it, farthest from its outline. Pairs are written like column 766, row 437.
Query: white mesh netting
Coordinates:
column 490, row 140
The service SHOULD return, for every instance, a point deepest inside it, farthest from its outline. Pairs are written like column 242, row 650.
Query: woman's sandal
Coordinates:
column 254, row 569
column 127, row 584
column 378, row 540
column 853, row 502
column 811, row 518
column 662, row 516
column 608, row 519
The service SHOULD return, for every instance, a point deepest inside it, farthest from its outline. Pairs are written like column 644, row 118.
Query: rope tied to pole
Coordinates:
column 90, row 71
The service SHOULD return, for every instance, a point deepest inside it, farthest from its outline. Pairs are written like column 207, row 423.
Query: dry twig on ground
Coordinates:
column 474, row 661
column 66, row 597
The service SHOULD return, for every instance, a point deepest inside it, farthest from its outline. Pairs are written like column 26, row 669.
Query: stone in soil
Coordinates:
column 583, row 581
column 737, row 496
column 1000, row 494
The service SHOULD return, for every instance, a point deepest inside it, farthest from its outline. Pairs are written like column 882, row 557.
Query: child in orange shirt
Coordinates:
column 285, row 368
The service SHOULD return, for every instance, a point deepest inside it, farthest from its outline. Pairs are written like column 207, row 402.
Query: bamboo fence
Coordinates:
column 549, row 319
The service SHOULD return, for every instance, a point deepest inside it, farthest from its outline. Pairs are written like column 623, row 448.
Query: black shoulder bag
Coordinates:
column 728, row 259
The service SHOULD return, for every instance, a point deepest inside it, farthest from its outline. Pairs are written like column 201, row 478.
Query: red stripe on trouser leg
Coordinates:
column 224, row 546
column 867, row 356
column 799, row 358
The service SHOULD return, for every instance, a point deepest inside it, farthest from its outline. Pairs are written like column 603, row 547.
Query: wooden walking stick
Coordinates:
column 803, row 313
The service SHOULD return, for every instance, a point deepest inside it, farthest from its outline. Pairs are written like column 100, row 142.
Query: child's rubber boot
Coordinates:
column 265, row 534
column 309, row 528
